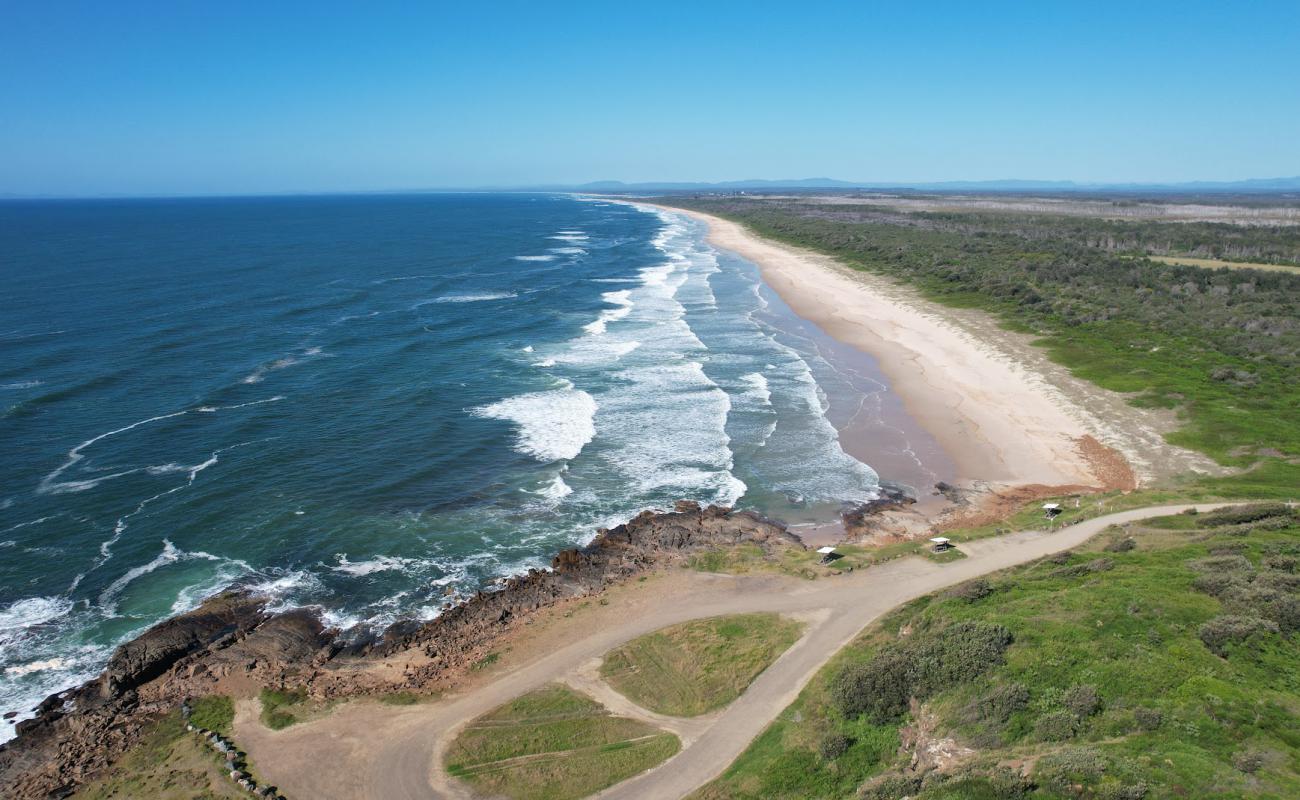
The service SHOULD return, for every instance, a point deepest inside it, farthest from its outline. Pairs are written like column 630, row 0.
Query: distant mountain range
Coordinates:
column 1251, row 185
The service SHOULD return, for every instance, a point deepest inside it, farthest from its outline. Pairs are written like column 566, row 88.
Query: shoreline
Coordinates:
column 998, row 408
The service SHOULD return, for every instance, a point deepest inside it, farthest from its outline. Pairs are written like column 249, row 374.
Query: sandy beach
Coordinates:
column 1002, row 412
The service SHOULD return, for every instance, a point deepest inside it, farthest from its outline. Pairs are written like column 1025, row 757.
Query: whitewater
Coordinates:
column 373, row 406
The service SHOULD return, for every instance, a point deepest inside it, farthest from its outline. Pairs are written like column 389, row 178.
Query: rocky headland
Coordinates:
column 232, row 644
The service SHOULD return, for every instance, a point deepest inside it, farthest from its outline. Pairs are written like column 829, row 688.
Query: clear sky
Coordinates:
column 181, row 97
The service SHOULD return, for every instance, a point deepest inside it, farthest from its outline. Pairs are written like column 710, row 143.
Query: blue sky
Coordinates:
column 183, row 97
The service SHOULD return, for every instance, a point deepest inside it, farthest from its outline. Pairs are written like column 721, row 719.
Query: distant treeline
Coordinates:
column 1279, row 244
column 1221, row 345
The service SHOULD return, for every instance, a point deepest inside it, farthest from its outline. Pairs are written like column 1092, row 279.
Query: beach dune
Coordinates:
column 1000, row 409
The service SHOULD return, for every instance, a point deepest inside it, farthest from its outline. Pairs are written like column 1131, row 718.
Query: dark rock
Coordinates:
column 856, row 517
column 153, row 652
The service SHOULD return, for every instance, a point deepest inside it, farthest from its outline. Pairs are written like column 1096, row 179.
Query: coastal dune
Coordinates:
column 996, row 416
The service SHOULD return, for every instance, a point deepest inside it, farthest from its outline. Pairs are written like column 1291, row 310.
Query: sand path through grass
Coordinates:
column 374, row 751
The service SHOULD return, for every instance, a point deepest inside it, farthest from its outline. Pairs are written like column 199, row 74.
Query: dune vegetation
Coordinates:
column 1159, row 660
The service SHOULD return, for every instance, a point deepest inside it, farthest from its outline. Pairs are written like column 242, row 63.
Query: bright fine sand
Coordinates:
column 977, row 389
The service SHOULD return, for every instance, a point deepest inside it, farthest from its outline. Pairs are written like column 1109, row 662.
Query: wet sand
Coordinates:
column 1000, row 412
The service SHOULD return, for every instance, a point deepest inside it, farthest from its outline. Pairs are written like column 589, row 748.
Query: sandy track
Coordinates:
column 366, row 750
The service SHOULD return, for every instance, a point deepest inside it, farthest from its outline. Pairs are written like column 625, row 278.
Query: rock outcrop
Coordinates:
column 232, row 640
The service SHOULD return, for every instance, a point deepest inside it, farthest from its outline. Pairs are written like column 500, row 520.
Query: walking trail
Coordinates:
column 369, row 750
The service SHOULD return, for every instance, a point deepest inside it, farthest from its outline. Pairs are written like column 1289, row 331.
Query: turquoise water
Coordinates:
column 370, row 404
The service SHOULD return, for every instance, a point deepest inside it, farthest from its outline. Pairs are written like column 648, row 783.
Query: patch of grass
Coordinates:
column 951, row 554
column 405, row 698
column 1215, row 263
column 168, row 764
column 1109, row 689
column 282, row 707
column 216, row 712
column 698, row 666
column 554, row 744
column 487, row 661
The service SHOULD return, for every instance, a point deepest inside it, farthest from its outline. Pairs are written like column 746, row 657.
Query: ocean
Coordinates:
column 373, row 405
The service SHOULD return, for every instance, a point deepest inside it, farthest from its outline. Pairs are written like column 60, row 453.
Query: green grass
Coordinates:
column 698, row 666
column 169, row 763
column 405, row 698
column 216, row 712
column 282, row 708
column 554, row 744
column 1215, row 263
column 1172, row 717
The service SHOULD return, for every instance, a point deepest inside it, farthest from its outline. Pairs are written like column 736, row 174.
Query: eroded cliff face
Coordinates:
column 231, row 641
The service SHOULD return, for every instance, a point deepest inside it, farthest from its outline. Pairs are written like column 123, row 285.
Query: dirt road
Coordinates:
column 367, row 750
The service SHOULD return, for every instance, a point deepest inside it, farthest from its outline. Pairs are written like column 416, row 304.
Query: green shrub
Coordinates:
column 1148, row 719
column 1227, row 630
column 890, row 786
column 1248, row 761
column 1068, row 766
column 1057, row 726
column 970, row 591
column 1242, row 514
column 1075, row 570
column 1083, row 701
column 877, row 689
column 1221, row 584
column 833, row 745
column 1121, row 791
column 1282, row 563
column 917, row 667
column 1121, row 545
column 1222, row 564
column 997, row 705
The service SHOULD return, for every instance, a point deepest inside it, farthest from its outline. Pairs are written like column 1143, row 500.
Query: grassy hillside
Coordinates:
column 1222, row 347
column 1157, row 661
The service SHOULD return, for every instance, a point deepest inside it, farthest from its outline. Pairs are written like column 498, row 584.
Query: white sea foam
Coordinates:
column 278, row 585
column 553, row 490
column 758, row 387
column 473, row 298
column 37, row 666
column 623, row 308
column 535, row 258
column 551, row 425
column 545, row 362
column 569, row 251
column 28, row 613
column 21, row 384
column 371, row 566
column 258, row 375
column 51, row 484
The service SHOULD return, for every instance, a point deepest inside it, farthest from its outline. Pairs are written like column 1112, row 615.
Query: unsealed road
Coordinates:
column 366, row 750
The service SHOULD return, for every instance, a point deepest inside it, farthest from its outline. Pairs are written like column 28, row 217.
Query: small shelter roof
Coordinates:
column 1051, row 506
column 826, row 550
column 940, row 540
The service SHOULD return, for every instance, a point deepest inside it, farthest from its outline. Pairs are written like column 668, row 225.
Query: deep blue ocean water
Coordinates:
column 370, row 405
